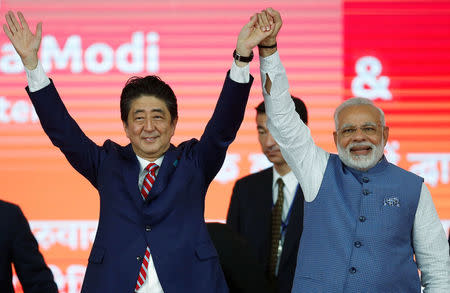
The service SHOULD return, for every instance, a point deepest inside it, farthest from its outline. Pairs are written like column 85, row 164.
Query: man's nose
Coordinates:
column 359, row 135
column 148, row 125
column 270, row 141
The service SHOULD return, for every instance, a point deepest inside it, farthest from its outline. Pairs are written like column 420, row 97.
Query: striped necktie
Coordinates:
column 276, row 229
column 147, row 185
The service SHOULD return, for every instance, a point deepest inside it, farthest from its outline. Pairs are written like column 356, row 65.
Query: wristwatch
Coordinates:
column 238, row 57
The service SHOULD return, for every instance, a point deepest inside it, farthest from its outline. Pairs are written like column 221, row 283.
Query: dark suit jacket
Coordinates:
column 243, row 272
column 250, row 214
column 171, row 221
column 18, row 246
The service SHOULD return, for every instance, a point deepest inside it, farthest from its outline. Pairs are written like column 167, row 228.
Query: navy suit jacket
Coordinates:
column 243, row 272
column 250, row 214
column 19, row 247
column 171, row 222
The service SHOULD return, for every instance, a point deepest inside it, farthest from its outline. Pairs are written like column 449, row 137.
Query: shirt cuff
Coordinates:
column 240, row 74
column 37, row 79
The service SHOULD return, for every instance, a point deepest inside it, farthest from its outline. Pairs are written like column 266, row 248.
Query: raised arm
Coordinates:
column 269, row 19
column 24, row 41
column 63, row 131
column 229, row 112
column 307, row 161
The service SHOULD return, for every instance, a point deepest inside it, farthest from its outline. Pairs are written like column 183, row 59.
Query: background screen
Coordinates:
column 394, row 52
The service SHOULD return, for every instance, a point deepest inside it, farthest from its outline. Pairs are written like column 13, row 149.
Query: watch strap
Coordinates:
column 246, row 59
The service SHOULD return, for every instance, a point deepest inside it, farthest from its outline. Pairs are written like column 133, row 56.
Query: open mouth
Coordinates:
column 360, row 150
column 150, row 139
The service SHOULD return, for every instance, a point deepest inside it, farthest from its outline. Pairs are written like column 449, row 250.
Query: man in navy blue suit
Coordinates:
column 168, row 217
column 19, row 247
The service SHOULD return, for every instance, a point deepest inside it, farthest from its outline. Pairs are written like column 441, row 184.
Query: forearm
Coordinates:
column 230, row 108
column 307, row 161
column 221, row 129
column 266, row 52
column 431, row 246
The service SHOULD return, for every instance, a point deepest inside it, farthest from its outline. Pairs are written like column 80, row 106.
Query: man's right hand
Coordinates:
column 269, row 19
column 24, row 41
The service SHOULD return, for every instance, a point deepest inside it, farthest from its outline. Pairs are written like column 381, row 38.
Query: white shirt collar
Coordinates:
column 143, row 163
column 289, row 180
column 289, row 190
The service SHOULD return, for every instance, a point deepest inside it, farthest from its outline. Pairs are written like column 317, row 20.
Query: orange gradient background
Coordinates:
column 320, row 43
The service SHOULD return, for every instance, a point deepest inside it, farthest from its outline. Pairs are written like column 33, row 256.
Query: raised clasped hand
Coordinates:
column 269, row 20
column 250, row 36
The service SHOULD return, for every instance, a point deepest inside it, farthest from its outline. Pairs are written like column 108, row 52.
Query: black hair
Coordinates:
column 150, row 85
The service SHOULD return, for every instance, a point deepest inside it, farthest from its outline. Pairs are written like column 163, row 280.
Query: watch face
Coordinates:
column 242, row 58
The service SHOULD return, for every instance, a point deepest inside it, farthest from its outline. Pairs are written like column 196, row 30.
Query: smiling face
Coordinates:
column 361, row 138
column 149, row 127
column 268, row 145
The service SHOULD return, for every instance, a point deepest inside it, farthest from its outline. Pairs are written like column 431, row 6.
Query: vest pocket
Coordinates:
column 391, row 216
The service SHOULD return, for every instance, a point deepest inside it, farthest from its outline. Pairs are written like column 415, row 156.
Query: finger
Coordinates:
column 14, row 21
column 261, row 23
column 270, row 18
column 23, row 20
column 252, row 21
column 261, row 35
column 265, row 20
column 7, row 31
column 11, row 25
column 276, row 18
column 249, row 25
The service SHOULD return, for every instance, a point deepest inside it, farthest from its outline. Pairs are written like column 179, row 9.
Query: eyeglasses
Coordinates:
column 368, row 130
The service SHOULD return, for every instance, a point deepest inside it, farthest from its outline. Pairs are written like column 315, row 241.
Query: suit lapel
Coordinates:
column 166, row 169
column 264, row 191
column 264, row 198
column 131, row 175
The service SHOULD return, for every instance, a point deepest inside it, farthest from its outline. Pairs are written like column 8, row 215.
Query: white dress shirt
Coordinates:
column 37, row 79
column 151, row 284
column 308, row 162
column 289, row 191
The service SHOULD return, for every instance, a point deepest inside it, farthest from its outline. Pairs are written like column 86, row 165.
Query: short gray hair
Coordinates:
column 355, row 102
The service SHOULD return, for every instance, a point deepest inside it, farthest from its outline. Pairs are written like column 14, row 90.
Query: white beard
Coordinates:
column 361, row 162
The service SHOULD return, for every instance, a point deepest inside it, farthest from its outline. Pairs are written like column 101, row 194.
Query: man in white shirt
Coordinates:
column 368, row 225
column 151, row 234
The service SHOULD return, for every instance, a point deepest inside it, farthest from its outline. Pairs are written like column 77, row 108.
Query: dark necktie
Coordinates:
column 276, row 228
column 147, row 185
